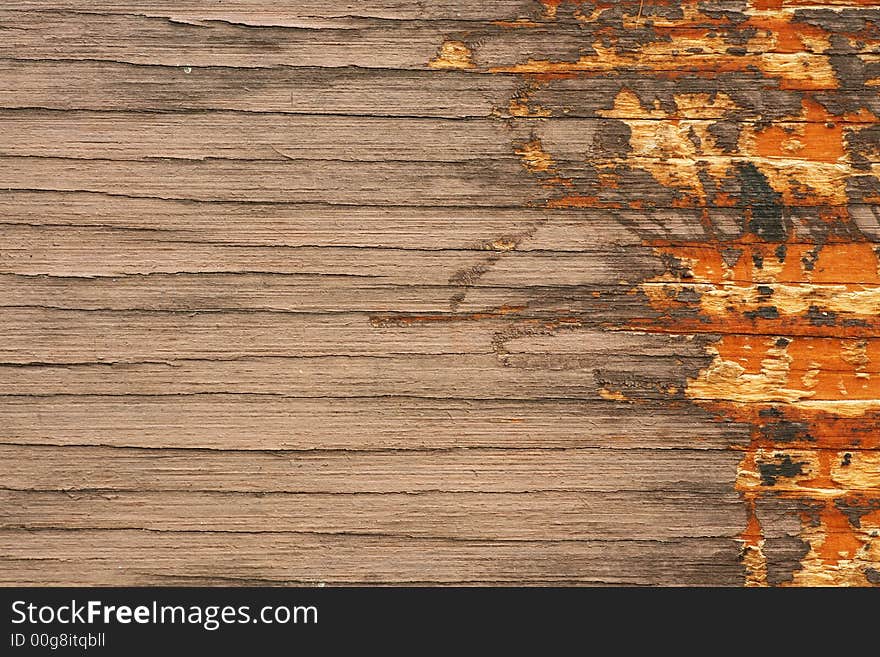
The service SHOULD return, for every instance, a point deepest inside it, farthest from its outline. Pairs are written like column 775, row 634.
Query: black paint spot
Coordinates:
column 675, row 266
column 772, row 411
column 847, row 460
column 813, row 515
column 764, row 312
column 872, row 575
column 688, row 295
column 765, row 290
column 862, row 142
column 860, row 162
column 614, row 140
column 809, row 259
column 855, row 509
column 784, row 555
column 731, row 256
column 786, row 431
column 765, row 203
column 781, row 252
column 758, row 260
column 726, row 135
column 741, row 35
column 819, row 317
column 782, row 343
column 770, row 472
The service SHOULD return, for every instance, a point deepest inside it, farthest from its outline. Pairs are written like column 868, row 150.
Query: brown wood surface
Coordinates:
column 503, row 292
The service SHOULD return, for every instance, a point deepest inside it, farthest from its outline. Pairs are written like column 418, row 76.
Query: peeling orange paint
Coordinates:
column 785, row 379
column 799, row 352
column 796, row 308
column 818, row 139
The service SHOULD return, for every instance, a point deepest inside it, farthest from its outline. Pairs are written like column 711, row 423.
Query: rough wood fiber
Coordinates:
column 509, row 292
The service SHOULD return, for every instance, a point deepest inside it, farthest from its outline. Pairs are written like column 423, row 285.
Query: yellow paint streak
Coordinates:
column 865, row 476
column 500, row 244
column 855, row 352
column 789, row 299
column 453, row 55
column 534, row 157
column 752, row 546
column 805, row 71
column 804, row 161
column 520, row 108
column 611, row 395
column 703, row 105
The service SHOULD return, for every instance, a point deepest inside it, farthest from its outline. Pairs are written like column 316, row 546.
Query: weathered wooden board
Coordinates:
column 508, row 292
column 206, row 557
column 545, row 515
column 356, row 471
column 238, row 136
column 226, row 421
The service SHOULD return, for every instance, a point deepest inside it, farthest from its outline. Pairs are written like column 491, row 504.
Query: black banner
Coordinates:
column 116, row 621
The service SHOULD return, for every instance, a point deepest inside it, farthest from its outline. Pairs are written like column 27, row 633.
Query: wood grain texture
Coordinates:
column 508, row 292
